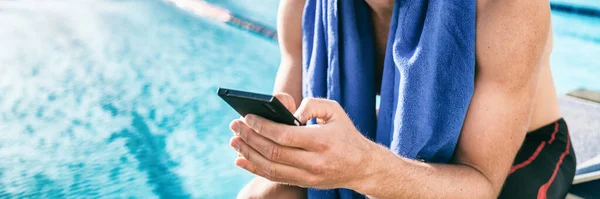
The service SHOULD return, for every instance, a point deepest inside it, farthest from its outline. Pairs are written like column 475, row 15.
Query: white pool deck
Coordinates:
column 581, row 111
column 583, row 118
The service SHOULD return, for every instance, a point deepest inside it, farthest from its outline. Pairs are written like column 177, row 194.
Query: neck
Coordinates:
column 381, row 13
column 381, row 9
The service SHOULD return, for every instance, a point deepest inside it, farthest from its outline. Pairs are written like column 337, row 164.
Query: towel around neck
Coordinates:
column 428, row 76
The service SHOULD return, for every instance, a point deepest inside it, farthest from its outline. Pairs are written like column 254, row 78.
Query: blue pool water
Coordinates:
column 116, row 99
column 582, row 3
column 259, row 11
column 576, row 55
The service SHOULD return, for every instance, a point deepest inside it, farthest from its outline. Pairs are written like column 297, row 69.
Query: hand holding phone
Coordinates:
column 266, row 106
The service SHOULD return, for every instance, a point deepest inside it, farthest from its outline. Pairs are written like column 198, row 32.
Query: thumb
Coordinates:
column 287, row 101
column 322, row 109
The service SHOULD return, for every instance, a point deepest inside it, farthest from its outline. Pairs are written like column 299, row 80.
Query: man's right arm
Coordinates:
column 288, row 80
column 289, row 33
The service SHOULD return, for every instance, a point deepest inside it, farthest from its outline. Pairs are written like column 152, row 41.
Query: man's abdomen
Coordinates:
column 545, row 107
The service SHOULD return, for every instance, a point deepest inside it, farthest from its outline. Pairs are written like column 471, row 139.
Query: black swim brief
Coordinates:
column 544, row 166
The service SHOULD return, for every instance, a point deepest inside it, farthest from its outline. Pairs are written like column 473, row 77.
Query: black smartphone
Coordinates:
column 265, row 106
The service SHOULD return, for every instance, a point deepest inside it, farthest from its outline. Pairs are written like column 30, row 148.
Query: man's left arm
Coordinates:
column 511, row 36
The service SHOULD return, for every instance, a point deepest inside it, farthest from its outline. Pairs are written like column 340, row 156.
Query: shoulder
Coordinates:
column 511, row 36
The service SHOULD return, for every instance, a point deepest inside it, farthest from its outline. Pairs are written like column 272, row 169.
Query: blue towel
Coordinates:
column 428, row 76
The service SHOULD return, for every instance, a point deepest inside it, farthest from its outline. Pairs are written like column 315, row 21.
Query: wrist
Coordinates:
column 375, row 169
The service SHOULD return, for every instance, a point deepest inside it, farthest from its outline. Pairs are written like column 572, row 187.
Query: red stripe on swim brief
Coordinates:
column 528, row 161
column 537, row 151
column 553, row 133
column 542, row 192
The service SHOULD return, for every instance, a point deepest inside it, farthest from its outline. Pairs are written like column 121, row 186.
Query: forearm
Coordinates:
column 494, row 129
column 397, row 177
column 289, row 80
column 289, row 33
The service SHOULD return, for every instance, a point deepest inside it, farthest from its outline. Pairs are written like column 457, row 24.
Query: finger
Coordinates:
column 306, row 182
column 286, row 135
column 275, row 152
column 322, row 109
column 287, row 101
column 270, row 170
column 248, row 166
column 245, row 164
column 234, row 127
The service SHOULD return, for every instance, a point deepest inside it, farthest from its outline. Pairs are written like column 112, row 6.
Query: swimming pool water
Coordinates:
column 583, row 3
column 260, row 11
column 116, row 99
column 575, row 58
